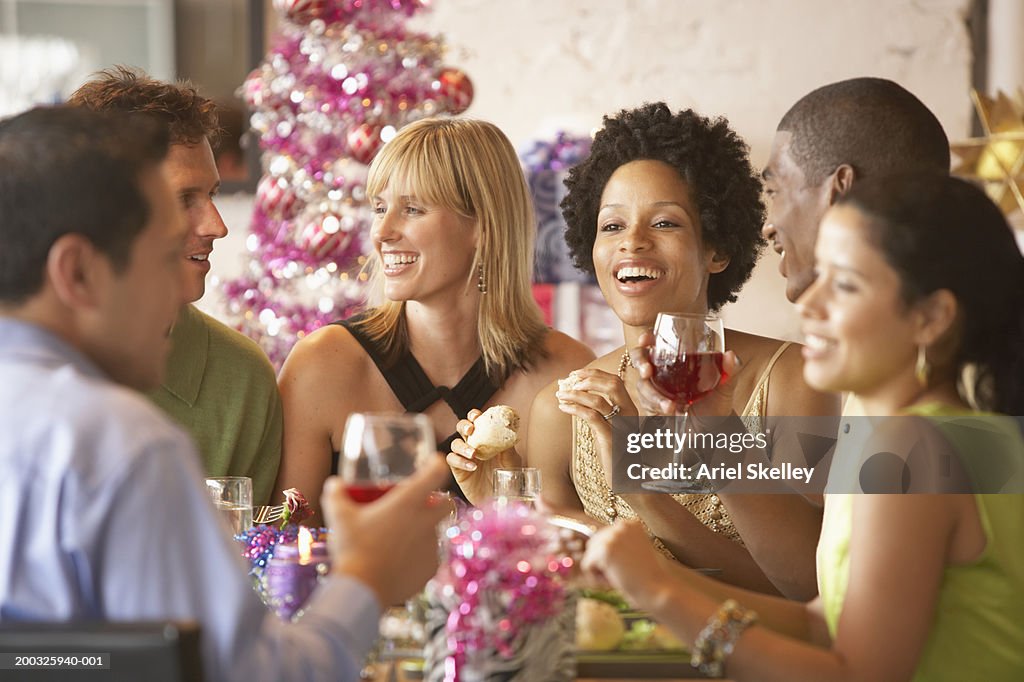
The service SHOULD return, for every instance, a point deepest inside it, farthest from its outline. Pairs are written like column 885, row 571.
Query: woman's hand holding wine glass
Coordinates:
column 652, row 400
column 687, row 364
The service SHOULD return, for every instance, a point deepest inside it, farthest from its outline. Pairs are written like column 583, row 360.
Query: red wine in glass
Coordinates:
column 365, row 492
column 688, row 359
column 380, row 449
column 687, row 377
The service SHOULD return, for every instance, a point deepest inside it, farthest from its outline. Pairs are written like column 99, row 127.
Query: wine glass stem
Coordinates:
column 677, row 455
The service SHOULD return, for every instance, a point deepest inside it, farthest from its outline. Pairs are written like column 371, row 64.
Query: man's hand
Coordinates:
column 390, row 544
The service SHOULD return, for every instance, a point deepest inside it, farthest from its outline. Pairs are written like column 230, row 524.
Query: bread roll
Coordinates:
column 494, row 431
column 569, row 383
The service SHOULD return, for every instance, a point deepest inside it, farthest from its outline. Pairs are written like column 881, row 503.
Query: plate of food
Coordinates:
column 615, row 640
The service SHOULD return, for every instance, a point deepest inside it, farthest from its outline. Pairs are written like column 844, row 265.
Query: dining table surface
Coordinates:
column 393, row 672
column 604, row 670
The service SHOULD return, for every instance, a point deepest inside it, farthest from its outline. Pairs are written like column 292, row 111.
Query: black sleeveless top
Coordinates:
column 414, row 389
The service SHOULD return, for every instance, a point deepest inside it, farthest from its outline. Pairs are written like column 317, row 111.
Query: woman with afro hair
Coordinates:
column 666, row 212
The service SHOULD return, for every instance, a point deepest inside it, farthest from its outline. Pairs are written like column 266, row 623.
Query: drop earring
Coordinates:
column 922, row 370
column 481, row 283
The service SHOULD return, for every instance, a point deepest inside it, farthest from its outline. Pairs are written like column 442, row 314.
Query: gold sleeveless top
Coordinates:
column 600, row 503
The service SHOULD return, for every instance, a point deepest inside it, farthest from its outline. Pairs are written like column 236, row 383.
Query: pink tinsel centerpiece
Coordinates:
column 503, row 574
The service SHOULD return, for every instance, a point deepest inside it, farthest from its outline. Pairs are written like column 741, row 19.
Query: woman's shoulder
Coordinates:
column 562, row 354
column 331, row 353
column 760, row 353
column 753, row 345
column 781, row 363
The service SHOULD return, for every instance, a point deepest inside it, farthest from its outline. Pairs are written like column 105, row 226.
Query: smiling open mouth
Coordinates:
column 634, row 274
column 398, row 258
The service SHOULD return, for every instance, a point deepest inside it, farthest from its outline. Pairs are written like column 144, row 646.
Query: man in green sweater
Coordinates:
column 219, row 385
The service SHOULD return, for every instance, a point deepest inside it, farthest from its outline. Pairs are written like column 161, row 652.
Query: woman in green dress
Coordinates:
column 918, row 312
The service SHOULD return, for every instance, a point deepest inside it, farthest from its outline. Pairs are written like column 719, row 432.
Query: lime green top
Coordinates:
column 221, row 387
column 978, row 629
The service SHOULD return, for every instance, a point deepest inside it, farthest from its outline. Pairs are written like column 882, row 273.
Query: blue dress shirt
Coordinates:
column 106, row 517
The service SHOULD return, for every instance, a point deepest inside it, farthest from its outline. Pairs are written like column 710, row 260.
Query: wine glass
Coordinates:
column 380, row 449
column 377, row 451
column 688, row 357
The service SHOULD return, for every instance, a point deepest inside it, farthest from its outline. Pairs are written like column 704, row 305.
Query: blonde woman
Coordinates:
column 457, row 329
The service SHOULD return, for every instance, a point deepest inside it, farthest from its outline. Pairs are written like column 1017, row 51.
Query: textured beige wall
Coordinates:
column 543, row 65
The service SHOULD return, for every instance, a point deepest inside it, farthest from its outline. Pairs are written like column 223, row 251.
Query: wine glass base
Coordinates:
column 679, row 487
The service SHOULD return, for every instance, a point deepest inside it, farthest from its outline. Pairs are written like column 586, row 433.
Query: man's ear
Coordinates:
column 75, row 269
column 840, row 182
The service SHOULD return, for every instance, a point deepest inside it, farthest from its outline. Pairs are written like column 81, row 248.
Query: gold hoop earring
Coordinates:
column 481, row 283
column 922, row 370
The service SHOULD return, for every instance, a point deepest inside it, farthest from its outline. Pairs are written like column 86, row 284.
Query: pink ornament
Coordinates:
column 254, row 90
column 302, row 11
column 456, row 88
column 275, row 198
column 323, row 237
column 364, row 142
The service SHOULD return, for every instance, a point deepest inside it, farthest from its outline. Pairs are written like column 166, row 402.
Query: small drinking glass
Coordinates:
column 521, row 483
column 232, row 495
column 380, row 449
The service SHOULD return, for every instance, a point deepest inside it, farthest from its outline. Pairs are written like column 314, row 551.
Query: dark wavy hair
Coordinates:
column 709, row 156
column 939, row 232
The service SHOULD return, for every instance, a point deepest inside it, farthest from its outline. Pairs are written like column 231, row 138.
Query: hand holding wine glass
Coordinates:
column 687, row 356
column 379, row 450
column 651, row 401
column 688, row 363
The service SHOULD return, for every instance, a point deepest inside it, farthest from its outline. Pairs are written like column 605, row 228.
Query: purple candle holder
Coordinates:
column 290, row 579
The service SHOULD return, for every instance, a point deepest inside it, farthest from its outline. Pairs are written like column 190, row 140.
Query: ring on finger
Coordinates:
column 615, row 410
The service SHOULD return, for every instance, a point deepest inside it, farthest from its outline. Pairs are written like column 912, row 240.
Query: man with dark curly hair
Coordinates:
column 219, row 384
column 666, row 212
column 831, row 138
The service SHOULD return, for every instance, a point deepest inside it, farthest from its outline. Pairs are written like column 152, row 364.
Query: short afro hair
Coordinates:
column 708, row 155
column 872, row 124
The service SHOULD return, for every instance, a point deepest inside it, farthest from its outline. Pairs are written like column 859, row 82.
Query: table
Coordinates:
column 591, row 671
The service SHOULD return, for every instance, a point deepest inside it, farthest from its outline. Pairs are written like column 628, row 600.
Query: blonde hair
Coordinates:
column 468, row 167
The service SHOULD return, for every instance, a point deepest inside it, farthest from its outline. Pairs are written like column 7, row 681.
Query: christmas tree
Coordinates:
column 341, row 78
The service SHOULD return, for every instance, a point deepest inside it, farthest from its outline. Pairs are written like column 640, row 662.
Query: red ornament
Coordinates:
column 275, row 198
column 324, row 237
column 364, row 141
column 302, row 11
column 455, row 87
